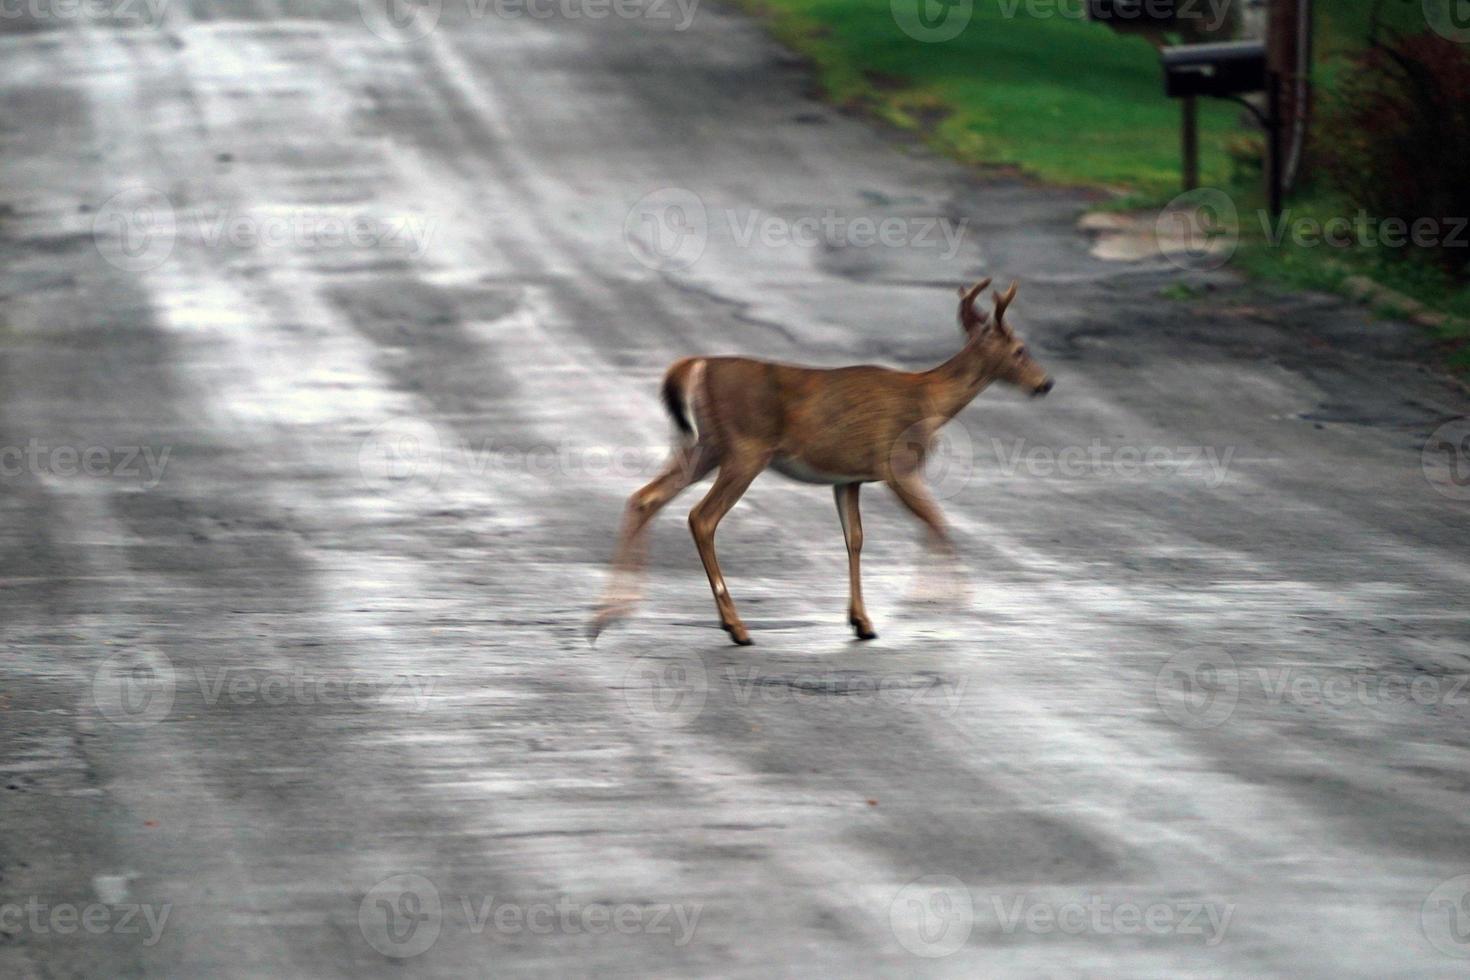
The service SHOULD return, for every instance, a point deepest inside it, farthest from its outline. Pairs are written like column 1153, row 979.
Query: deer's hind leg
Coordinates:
column 736, row 473
column 688, row 465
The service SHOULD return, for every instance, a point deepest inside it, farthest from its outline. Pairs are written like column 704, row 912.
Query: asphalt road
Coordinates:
column 327, row 360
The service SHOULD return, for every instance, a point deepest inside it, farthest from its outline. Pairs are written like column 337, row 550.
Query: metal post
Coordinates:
column 1189, row 140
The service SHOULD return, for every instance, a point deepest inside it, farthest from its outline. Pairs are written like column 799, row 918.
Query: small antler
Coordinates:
column 969, row 317
column 1002, row 300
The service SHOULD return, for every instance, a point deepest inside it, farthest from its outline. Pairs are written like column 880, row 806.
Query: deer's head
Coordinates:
column 996, row 345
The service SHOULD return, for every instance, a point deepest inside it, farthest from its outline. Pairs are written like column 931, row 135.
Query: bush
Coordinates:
column 1395, row 137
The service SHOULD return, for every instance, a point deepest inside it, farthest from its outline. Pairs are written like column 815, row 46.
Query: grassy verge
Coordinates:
column 1063, row 99
column 1030, row 84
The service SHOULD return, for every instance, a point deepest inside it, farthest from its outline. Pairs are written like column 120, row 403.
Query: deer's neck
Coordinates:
column 956, row 382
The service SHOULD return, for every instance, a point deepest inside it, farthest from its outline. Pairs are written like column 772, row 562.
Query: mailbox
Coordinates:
column 1135, row 15
column 1220, row 70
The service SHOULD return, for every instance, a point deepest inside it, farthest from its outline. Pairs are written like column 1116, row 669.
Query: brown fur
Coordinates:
column 843, row 426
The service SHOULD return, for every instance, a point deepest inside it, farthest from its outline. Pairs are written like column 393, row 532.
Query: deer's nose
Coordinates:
column 1043, row 388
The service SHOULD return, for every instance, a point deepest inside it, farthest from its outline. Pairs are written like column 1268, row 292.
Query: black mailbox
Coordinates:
column 1217, row 70
column 1138, row 15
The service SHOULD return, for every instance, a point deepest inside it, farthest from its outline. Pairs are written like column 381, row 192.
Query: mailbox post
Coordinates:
column 1155, row 20
column 1230, row 71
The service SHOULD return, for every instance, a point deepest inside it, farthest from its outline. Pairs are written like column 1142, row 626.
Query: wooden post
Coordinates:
column 1275, row 146
column 1189, row 141
column 1284, row 57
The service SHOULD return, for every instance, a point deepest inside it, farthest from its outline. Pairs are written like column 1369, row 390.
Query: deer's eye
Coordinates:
column 1020, row 352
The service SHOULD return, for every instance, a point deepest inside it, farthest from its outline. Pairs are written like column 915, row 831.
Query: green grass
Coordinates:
column 1062, row 99
column 1076, row 103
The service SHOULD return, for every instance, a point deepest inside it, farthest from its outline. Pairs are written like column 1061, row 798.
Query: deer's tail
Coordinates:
column 680, row 390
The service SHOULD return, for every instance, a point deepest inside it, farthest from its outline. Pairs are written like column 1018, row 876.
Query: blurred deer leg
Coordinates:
column 736, row 474
column 912, row 493
column 688, row 465
column 852, row 530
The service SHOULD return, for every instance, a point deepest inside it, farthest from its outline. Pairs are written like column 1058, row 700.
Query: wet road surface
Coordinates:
column 328, row 358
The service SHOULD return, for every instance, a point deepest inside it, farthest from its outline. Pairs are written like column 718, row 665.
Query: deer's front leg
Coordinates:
column 736, row 474
column 912, row 493
column 852, row 531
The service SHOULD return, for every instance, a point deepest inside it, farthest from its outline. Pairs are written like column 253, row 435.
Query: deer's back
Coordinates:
column 834, row 421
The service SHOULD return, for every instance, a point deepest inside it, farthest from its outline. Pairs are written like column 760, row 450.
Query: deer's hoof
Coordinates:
column 865, row 631
column 738, row 634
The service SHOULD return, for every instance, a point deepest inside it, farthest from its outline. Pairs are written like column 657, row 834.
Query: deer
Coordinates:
column 841, row 427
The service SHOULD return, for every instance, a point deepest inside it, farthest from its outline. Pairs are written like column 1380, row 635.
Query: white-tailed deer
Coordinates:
column 841, row 426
